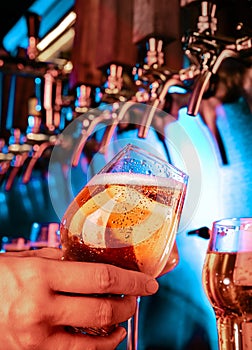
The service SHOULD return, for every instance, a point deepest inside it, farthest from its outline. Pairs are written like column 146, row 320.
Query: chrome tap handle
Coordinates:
column 57, row 103
column 156, row 104
column 207, row 22
column 89, row 122
column 83, row 98
column 155, row 53
column 21, row 151
column 113, row 92
column 109, row 131
column 203, row 80
column 5, row 159
column 38, row 151
column 49, row 82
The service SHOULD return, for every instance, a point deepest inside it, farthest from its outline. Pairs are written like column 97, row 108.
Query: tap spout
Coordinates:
column 89, row 123
column 203, row 80
column 19, row 161
column 37, row 154
column 157, row 103
column 117, row 117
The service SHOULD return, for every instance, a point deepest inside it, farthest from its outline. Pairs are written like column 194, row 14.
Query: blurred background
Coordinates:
column 80, row 78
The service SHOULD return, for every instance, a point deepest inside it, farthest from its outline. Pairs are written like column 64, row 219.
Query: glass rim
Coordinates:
column 130, row 146
column 236, row 220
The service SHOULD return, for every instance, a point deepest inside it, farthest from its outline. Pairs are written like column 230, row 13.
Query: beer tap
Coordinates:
column 43, row 135
column 5, row 159
column 114, row 93
column 156, row 79
column 89, row 121
column 57, row 103
column 83, row 99
column 38, row 136
column 207, row 22
column 21, row 151
column 210, row 51
column 49, row 85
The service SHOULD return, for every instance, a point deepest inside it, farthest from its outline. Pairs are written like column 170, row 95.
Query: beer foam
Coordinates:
column 132, row 179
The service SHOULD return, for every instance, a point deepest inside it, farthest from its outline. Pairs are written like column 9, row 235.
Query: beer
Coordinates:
column 227, row 280
column 128, row 220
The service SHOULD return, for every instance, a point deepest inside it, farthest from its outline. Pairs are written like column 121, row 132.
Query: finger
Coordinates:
column 99, row 312
column 65, row 341
column 88, row 278
column 49, row 253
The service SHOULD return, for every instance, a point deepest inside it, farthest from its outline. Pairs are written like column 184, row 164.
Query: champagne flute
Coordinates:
column 227, row 280
column 127, row 215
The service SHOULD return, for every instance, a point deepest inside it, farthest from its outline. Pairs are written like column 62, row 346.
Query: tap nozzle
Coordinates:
column 21, row 151
column 156, row 104
column 5, row 159
column 203, row 80
column 38, row 151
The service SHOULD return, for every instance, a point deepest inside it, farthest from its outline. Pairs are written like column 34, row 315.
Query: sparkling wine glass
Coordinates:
column 127, row 215
column 227, row 280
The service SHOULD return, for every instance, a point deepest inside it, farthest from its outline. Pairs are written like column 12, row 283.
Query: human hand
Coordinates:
column 41, row 295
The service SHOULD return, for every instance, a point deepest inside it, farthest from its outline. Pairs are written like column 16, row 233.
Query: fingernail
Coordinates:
column 151, row 286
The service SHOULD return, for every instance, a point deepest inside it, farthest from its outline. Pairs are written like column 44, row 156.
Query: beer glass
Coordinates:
column 227, row 280
column 126, row 215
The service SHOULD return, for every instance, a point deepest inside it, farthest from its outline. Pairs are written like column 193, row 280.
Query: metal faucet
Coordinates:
column 21, row 150
column 114, row 94
column 205, row 49
column 155, row 80
column 152, row 81
column 5, row 159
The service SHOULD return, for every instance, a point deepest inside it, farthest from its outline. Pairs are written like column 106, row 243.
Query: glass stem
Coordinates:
column 229, row 333
column 132, row 340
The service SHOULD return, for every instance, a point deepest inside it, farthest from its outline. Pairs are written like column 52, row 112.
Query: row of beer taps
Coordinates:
column 109, row 104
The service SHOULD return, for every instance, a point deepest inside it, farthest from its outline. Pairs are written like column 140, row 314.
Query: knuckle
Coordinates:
column 105, row 313
column 28, row 312
column 105, row 278
column 132, row 286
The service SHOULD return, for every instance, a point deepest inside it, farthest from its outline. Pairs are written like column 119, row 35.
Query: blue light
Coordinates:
column 10, row 111
column 50, row 11
column 69, row 115
column 37, row 82
column 25, row 198
column 177, row 90
column 31, row 121
column 4, row 210
column 34, row 231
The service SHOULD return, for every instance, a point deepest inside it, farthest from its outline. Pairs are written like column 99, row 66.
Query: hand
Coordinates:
column 41, row 295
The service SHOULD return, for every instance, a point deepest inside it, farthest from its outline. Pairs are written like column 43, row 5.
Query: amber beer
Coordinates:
column 227, row 280
column 123, row 219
